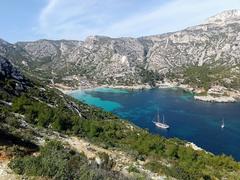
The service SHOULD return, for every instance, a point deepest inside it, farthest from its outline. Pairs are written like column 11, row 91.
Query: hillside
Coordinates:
column 45, row 133
column 127, row 61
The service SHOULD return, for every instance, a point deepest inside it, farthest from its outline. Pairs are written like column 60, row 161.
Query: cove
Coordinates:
column 190, row 120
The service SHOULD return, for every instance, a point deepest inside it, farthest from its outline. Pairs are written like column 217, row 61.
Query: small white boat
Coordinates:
column 223, row 125
column 159, row 124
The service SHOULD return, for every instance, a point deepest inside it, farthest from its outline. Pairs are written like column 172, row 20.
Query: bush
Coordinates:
column 107, row 162
column 133, row 169
column 58, row 162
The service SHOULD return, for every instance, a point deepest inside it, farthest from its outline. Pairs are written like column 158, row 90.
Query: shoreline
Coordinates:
column 232, row 98
column 222, row 99
column 133, row 87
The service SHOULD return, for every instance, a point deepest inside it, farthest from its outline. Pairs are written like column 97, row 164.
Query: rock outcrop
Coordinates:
column 8, row 71
column 11, row 77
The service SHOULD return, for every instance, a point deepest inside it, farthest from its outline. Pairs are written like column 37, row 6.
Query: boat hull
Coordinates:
column 161, row 125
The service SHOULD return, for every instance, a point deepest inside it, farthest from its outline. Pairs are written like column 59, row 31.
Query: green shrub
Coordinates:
column 133, row 168
column 58, row 162
column 108, row 131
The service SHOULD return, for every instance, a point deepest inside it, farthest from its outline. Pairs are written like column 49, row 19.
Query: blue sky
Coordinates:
column 26, row 20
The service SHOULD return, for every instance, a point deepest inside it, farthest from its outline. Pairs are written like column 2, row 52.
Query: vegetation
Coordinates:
column 133, row 169
column 185, row 163
column 207, row 75
column 60, row 163
column 150, row 76
column 46, row 108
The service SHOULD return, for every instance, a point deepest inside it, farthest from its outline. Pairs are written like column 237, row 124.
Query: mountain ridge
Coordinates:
column 129, row 61
column 36, row 112
column 228, row 15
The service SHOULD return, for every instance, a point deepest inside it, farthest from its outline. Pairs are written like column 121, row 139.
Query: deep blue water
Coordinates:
column 190, row 120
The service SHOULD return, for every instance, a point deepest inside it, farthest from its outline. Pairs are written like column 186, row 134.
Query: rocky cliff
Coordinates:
column 216, row 42
column 11, row 80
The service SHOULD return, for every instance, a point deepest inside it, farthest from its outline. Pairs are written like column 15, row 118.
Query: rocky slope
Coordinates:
column 93, row 144
column 7, row 71
column 12, row 82
column 107, row 60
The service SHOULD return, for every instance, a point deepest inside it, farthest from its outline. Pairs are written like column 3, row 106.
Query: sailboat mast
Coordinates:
column 222, row 126
column 158, row 118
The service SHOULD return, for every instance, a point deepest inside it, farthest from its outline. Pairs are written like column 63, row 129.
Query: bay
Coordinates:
column 191, row 120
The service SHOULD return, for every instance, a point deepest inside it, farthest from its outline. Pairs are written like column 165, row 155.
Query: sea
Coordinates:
column 191, row 120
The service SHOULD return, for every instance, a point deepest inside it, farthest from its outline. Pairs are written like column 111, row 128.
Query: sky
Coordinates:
column 28, row 20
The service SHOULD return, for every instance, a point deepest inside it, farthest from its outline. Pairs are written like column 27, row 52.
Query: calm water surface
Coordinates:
column 195, row 121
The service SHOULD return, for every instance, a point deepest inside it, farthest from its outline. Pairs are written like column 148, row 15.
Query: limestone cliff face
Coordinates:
column 8, row 71
column 11, row 80
column 225, row 17
column 121, row 60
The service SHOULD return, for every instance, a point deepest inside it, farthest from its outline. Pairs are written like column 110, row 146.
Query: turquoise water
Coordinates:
column 95, row 101
column 110, row 90
column 190, row 120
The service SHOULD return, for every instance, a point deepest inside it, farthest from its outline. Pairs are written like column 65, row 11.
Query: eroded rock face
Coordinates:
column 10, row 76
column 225, row 17
column 120, row 60
column 8, row 71
column 3, row 47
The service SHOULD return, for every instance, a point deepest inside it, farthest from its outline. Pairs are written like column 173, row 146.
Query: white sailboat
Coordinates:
column 223, row 125
column 162, row 124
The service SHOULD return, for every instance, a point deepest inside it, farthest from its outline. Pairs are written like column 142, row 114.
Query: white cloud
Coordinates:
column 76, row 19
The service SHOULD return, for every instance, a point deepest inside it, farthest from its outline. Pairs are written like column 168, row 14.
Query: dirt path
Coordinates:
column 6, row 173
column 122, row 159
column 91, row 151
